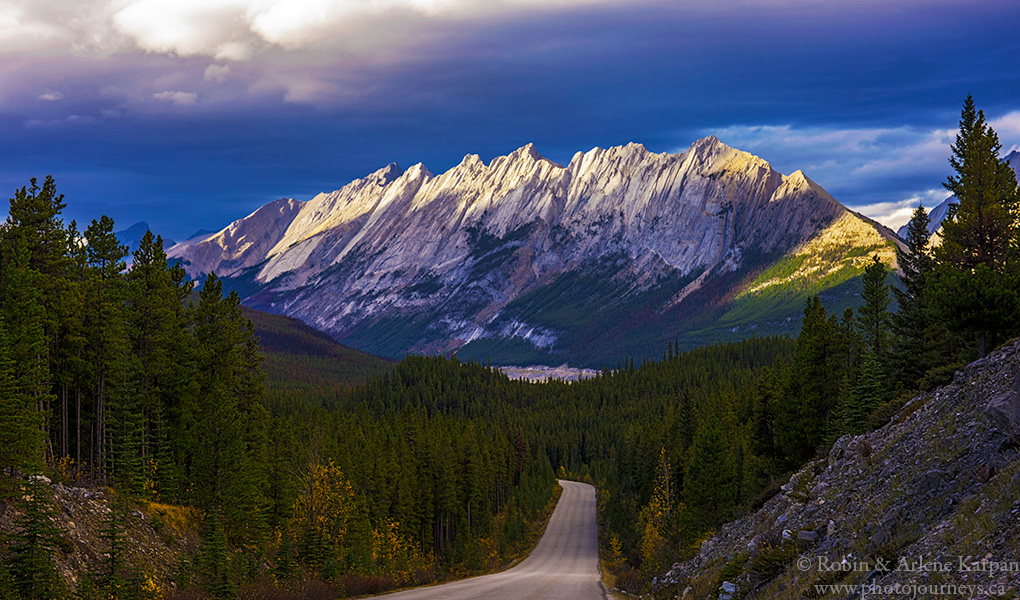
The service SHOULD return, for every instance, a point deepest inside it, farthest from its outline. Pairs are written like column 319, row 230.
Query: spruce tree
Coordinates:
column 710, row 481
column 911, row 353
column 24, row 369
column 810, row 398
column 873, row 314
column 977, row 281
column 865, row 397
column 116, row 423
column 33, row 545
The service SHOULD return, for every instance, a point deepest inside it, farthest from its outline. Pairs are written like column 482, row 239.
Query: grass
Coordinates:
column 183, row 519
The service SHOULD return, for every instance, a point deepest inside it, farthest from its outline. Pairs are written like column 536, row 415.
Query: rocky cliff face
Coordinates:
column 931, row 500
column 524, row 255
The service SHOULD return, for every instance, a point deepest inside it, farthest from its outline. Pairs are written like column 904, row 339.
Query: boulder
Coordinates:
column 1003, row 412
column 806, row 537
column 727, row 590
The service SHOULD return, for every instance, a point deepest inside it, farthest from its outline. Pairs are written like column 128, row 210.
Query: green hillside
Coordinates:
column 303, row 362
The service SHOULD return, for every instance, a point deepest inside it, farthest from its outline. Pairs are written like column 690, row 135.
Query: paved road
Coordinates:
column 564, row 565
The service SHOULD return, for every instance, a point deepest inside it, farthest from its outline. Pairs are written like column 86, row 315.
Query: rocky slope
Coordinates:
column 157, row 537
column 525, row 260
column 931, row 499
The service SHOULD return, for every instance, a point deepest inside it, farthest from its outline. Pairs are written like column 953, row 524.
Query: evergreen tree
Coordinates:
column 32, row 547
column 810, row 399
column 981, row 227
column 226, row 444
column 912, row 352
column 873, row 314
column 157, row 353
column 116, row 422
column 213, row 560
column 976, row 287
column 114, row 578
column 24, row 370
column 865, row 397
column 710, row 481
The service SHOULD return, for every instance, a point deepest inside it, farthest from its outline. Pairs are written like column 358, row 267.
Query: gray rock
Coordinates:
column 929, row 482
column 831, row 529
column 754, row 546
column 806, row 538
column 1003, row 412
column 727, row 590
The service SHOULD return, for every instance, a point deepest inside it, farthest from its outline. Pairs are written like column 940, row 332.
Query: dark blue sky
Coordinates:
column 191, row 113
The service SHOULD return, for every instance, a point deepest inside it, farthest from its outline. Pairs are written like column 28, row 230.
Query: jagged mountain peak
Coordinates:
column 457, row 253
column 708, row 147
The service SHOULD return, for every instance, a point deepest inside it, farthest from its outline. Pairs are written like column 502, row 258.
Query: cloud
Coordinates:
column 896, row 214
column 187, row 27
column 217, row 73
column 234, row 30
column 51, row 95
column 176, row 97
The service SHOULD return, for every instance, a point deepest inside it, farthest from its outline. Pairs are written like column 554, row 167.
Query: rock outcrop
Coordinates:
column 157, row 537
column 931, row 499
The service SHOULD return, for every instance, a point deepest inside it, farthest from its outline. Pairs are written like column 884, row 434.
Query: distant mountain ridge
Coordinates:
column 523, row 259
column 131, row 236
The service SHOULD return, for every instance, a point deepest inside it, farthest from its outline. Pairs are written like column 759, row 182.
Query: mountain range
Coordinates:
column 524, row 260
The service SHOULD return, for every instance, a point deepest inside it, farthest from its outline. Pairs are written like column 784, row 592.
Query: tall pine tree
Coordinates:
column 976, row 287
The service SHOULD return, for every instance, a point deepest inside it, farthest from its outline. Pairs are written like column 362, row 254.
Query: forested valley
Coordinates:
column 135, row 379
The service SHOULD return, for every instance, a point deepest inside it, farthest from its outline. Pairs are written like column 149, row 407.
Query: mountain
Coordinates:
column 938, row 213
column 935, row 486
column 200, row 233
column 527, row 261
column 131, row 236
column 301, row 362
column 935, row 217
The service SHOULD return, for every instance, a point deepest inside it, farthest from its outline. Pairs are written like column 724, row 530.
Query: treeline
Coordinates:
column 130, row 378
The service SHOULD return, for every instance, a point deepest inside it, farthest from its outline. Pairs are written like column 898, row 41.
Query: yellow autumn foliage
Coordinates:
column 325, row 506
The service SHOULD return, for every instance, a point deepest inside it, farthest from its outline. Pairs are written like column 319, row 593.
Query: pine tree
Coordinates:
column 32, row 547
column 116, row 423
column 114, row 577
column 226, row 440
column 34, row 227
column 865, row 397
column 873, row 314
column 24, row 370
column 911, row 353
column 155, row 333
column 213, row 560
column 811, row 389
column 981, row 227
column 710, row 481
column 977, row 282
